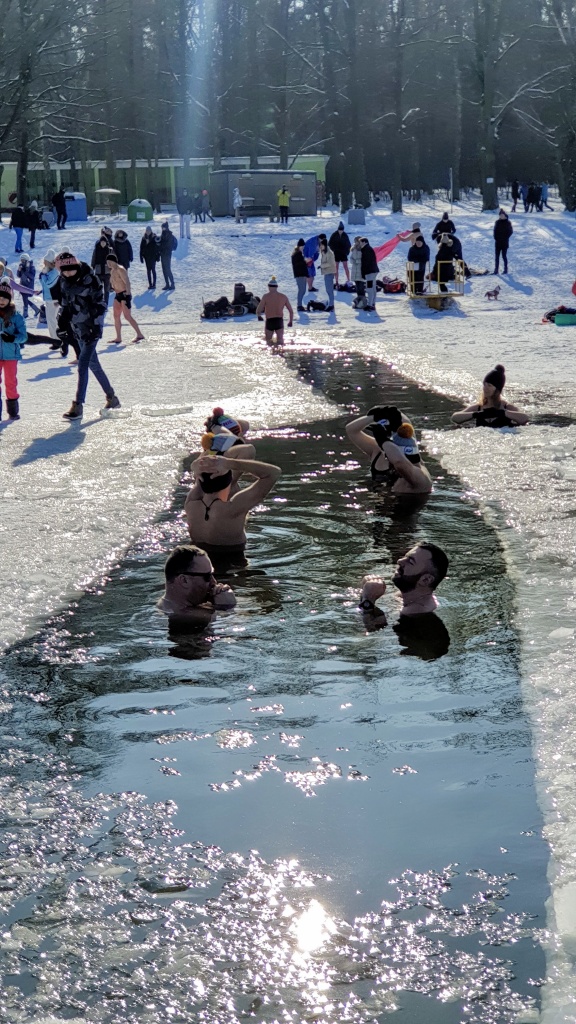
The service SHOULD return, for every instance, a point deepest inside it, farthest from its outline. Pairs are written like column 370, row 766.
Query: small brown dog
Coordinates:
column 494, row 293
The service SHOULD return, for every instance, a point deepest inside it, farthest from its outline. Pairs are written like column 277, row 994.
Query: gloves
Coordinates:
column 379, row 412
column 380, row 433
column 7, row 336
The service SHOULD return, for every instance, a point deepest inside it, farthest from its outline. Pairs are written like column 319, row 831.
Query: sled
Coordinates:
column 433, row 296
column 565, row 319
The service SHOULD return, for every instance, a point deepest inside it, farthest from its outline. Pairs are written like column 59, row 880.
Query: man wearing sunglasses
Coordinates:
column 192, row 595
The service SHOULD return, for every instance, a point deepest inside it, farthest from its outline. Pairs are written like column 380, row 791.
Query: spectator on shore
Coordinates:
column 59, row 204
column 184, row 207
column 300, row 271
column 283, row 203
column 340, row 245
column 167, row 245
column 419, row 255
column 150, row 254
column 502, row 232
column 369, row 269
column 445, row 226
column 123, row 248
column 99, row 263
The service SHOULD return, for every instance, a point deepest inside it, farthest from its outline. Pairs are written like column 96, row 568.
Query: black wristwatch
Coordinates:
column 366, row 605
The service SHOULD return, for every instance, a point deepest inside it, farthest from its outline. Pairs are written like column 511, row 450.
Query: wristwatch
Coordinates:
column 366, row 605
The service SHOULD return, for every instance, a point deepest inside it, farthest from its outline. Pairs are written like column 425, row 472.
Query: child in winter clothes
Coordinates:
column 12, row 336
column 48, row 277
column 120, row 284
column 26, row 273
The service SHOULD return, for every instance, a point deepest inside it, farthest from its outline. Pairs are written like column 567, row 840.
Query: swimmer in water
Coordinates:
column 192, row 595
column 216, row 517
column 417, row 575
column 492, row 410
column 395, row 460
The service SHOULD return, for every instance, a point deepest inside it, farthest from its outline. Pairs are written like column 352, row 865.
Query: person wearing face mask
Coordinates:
column 216, row 518
column 192, row 595
column 445, row 226
column 83, row 309
column 492, row 410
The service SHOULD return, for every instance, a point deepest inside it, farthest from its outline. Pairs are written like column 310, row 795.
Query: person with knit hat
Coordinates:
column 34, row 222
column 272, row 305
column 12, row 337
column 340, row 244
column 48, row 277
column 502, row 232
column 382, row 434
column 167, row 244
column 300, row 271
column 492, row 410
column 83, row 309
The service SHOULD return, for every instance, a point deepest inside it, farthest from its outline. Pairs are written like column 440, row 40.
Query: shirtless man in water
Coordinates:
column 273, row 305
column 192, row 595
column 216, row 518
column 417, row 575
column 390, row 460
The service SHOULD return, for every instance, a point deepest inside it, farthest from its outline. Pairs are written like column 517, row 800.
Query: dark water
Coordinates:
column 391, row 786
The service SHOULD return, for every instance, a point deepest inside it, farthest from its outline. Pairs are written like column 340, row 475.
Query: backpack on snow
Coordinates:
column 390, row 286
column 242, row 297
column 217, row 308
column 315, row 306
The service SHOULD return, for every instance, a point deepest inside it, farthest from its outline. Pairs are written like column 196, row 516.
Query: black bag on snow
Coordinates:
column 217, row 308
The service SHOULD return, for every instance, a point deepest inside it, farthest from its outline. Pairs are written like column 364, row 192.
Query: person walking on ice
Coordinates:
column 12, row 336
column 83, row 304
column 120, row 284
column 272, row 305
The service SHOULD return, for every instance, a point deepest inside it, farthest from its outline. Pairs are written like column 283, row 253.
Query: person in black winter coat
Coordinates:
column 443, row 269
column 340, row 244
column 167, row 245
column 515, row 194
column 369, row 269
column 300, row 271
column 59, row 204
column 18, row 222
column 100, row 254
column 34, row 222
column 419, row 255
column 184, row 207
column 502, row 232
column 150, row 254
column 197, row 208
column 122, row 248
column 445, row 226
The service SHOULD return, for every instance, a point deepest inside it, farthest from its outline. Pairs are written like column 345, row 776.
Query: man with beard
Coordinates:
column 420, row 632
column 217, row 517
column 417, row 575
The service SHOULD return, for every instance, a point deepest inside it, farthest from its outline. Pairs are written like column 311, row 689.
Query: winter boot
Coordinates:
column 112, row 401
column 13, row 408
column 74, row 412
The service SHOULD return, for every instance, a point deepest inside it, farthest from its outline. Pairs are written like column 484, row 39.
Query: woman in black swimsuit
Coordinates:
column 492, row 410
column 388, row 463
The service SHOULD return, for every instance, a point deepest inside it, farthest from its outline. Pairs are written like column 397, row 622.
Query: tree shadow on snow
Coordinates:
column 62, row 443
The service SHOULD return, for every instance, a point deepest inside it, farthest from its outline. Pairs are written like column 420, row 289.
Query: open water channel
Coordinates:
column 285, row 818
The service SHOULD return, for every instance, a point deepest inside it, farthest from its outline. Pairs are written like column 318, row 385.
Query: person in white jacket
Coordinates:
column 327, row 269
column 237, row 204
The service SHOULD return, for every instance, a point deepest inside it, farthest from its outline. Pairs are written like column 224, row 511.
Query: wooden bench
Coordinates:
column 256, row 211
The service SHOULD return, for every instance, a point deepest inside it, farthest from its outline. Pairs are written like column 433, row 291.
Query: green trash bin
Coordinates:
column 140, row 210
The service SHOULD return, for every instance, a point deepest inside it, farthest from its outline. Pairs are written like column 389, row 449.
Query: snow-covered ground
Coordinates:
column 74, row 495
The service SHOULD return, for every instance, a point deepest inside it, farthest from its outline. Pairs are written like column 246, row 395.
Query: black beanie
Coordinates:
column 497, row 377
column 341, row 226
column 300, row 242
column 214, row 484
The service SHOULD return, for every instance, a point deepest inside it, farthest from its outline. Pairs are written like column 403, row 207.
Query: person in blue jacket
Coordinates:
column 311, row 254
column 12, row 337
column 26, row 274
column 47, row 278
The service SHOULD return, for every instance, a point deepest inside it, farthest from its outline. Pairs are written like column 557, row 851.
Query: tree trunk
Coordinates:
column 22, row 172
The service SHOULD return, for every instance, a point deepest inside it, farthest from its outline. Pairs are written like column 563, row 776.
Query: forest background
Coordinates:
column 396, row 92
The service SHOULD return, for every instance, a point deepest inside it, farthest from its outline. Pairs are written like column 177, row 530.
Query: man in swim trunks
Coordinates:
column 390, row 462
column 216, row 518
column 192, row 595
column 272, row 305
column 417, row 575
